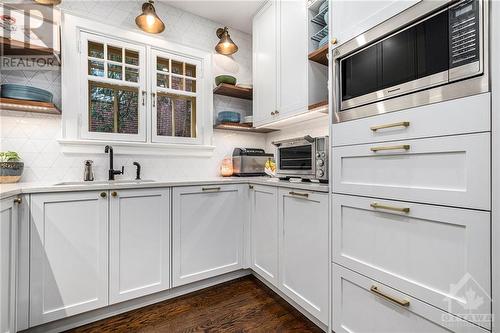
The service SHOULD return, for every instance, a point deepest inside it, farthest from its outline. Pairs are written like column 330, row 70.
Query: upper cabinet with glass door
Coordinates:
column 175, row 96
column 115, row 87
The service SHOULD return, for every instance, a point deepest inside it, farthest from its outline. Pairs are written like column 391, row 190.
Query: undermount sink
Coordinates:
column 105, row 182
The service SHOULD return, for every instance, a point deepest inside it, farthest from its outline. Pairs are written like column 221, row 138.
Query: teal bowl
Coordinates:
column 225, row 79
column 17, row 91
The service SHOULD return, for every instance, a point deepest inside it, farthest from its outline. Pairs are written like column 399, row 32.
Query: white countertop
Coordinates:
column 8, row 190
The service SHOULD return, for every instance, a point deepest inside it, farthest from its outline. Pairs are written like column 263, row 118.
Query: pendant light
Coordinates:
column 225, row 45
column 48, row 2
column 148, row 20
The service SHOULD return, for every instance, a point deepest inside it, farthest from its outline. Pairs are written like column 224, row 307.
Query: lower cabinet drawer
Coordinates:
column 450, row 171
column 361, row 305
column 436, row 254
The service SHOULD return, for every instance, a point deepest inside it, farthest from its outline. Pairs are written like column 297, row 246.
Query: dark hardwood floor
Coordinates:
column 242, row 305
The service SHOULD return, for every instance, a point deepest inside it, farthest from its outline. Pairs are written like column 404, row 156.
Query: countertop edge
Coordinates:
column 10, row 190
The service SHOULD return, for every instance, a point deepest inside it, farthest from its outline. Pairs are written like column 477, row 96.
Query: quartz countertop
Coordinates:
column 8, row 190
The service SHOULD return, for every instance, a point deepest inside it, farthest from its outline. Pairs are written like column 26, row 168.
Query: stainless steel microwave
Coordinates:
column 431, row 52
column 304, row 157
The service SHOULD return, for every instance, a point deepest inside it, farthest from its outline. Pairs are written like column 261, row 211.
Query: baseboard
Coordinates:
column 115, row 309
column 294, row 304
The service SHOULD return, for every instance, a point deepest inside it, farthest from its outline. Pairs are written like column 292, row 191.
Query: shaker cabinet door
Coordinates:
column 139, row 246
column 207, row 232
column 69, row 254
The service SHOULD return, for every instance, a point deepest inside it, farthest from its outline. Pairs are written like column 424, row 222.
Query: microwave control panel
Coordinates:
column 464, row 33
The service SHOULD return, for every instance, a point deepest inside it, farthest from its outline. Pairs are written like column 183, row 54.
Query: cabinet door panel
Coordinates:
column 264, row 228
column 357, row 309
column 69, row 255
column 139, row 243
column 304, row 250
column 292, row 55
column 264, row 63
column 207, row 232
column 422, row 253
column 453, row 170
column 8, row 236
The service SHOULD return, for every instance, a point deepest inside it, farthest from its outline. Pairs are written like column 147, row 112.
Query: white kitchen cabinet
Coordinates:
column 265, row 63
column 207, row 231
column 292, row 57
column 451, row 170
column 363, row 305
column 264, row 231
column 139, row 257
column 68, row 255
column 303, row 261
column 423, row 251
column 8, row 245
column 351, row 18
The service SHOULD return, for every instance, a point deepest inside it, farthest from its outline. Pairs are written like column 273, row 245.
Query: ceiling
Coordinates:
column 232, row 13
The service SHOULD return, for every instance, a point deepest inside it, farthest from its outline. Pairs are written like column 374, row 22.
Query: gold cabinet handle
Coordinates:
column 401, row 302
column 250, row 187
column 334, row 41
column 114, row 194
column 210, row 189
column 398, row 124
column 103, row 194
column 297, row 194
column 376, row 149
column 272, row 113
column 18, row 200
column 376, row 205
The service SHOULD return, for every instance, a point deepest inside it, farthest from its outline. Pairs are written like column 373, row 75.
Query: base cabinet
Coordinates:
column 139, row 258
column 8, row 236
column 264, row 232
column 69, row 254
column 207, row 231
column 363, row 305
column 303, row 260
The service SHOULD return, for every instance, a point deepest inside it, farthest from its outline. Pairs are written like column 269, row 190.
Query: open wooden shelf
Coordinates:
column 320, row 107
column 242, row 128
column 320, row 55
column 233, row 91
column 28, row 106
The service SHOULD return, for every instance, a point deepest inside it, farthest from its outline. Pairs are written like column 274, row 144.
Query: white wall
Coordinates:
column 34, row 135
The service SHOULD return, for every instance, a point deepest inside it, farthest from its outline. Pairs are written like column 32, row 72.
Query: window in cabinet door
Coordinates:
column 176, row 94
column 115, row 85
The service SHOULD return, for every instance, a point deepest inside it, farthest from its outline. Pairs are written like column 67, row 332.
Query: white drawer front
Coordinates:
column 459, row 116
column 357, row 309
column 423, row 252
column 452, row 170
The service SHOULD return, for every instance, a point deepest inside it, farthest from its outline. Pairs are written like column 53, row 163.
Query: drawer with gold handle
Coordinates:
column 383, row 148
column 376, row 205
column 404, row 124
column 374, row 289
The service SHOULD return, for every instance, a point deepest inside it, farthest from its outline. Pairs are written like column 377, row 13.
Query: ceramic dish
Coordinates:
column 17, row 91
column 228, row 117
column 225, row 79
column 323, row 6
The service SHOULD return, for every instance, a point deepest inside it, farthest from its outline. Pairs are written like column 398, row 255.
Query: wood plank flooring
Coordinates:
column 242, row 305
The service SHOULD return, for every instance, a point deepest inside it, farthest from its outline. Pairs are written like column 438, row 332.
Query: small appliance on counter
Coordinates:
column 305, row 157
column 249, row 161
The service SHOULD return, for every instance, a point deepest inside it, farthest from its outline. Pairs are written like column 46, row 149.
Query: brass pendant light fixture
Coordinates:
column 48, row 2
column 148, row 20
column 225, row 45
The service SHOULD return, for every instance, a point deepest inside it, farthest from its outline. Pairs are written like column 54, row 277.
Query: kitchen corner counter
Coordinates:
column 9, row 190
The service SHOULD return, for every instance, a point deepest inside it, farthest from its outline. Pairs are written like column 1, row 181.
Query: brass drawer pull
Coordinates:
column 250, row 187
column 376, row 149
column 210, row 189
column 18, row 200
column 103, row 194
column 399, row 124
column 333, row 41
column 401, row 302
column 297, row 194
column 396, row 209
column 114, row 194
